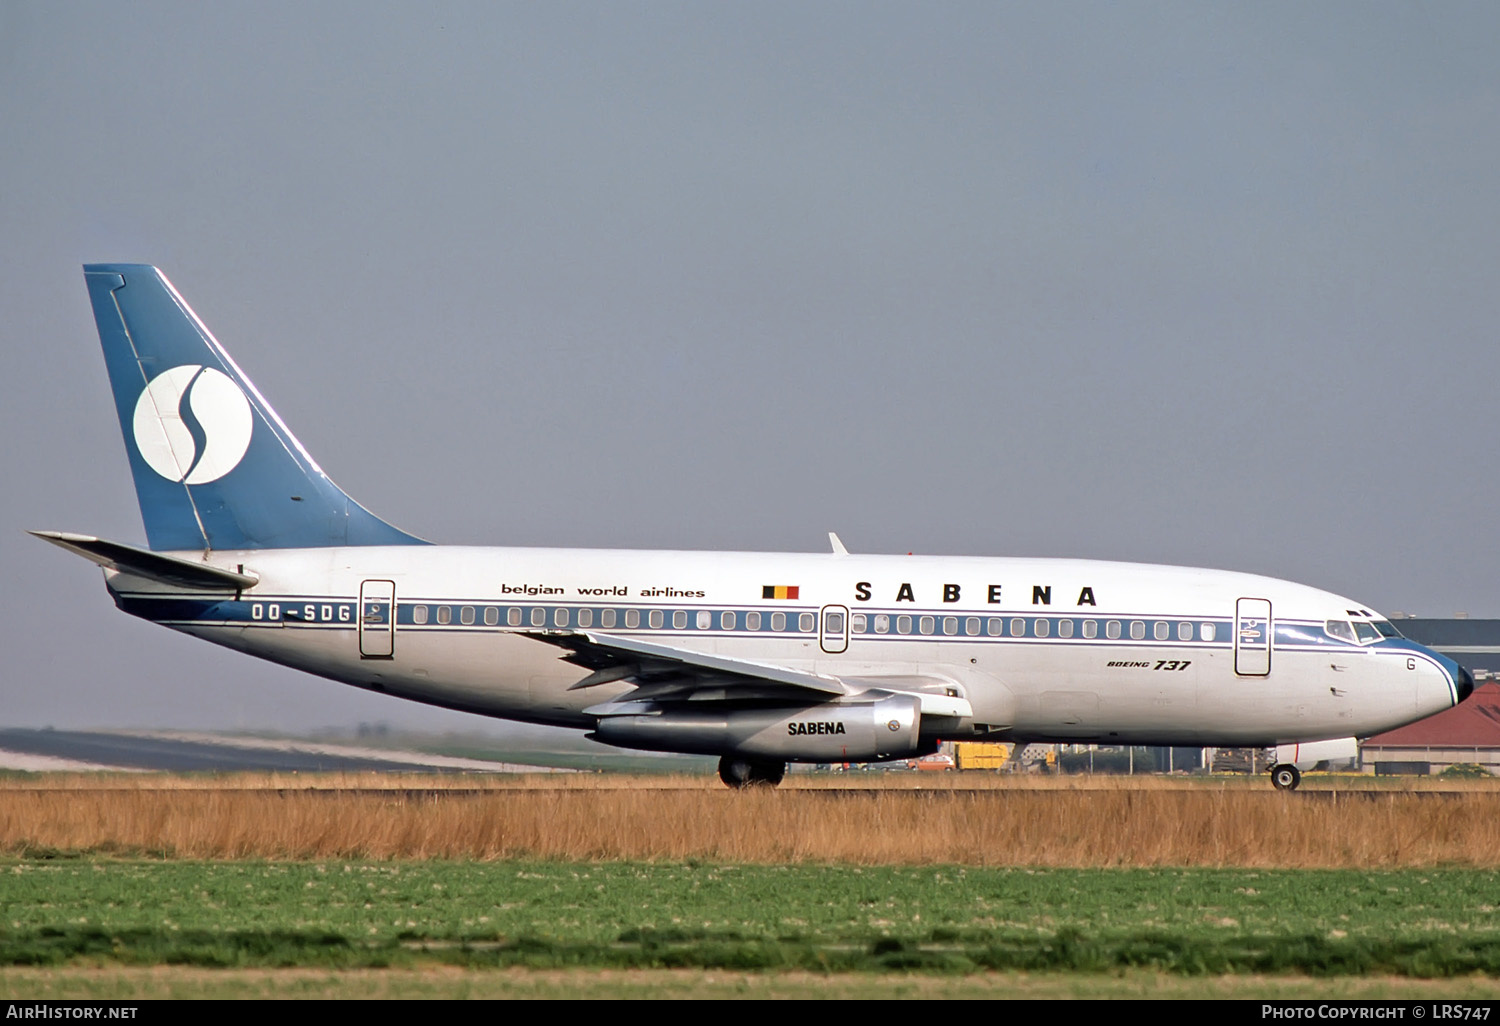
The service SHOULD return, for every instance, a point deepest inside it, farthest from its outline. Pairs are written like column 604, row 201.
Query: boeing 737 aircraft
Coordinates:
column 761, row 659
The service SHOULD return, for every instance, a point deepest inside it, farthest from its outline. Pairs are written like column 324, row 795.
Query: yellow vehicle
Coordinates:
column 977, row 755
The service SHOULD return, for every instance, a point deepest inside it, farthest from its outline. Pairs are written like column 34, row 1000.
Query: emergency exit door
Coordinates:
column 833, row 629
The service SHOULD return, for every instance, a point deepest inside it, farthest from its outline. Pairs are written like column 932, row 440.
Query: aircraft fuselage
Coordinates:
column 1041, row 649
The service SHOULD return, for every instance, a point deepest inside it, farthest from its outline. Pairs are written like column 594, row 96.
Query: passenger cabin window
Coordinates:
column 632, row 618
column 882, row 624
column 560, row 618
column 657, row 618
column 925, row 625
column 1206, row 632
column 806, row 622
column 971, row 626
column 1065, row 628
column 1090, row 629
column 778, row 621
column 1043, row 628
column 466, row 615
column 538, row 617
column 418, row 614
column 727, row 620
column 1162, row 630
column 679, row 619
column 1184, row 631
column 607, row 618
column 1137, row 630
column 491, row 616
column 833, row 623
column 950, row 625
column 513, row 616
column 994, row 626
column 585, row 617
column 752, row 621
column 1112, row 629
column 444, row 615
column 1018, row 628
column 705, row 619
column 858, row 624
column 903, row 624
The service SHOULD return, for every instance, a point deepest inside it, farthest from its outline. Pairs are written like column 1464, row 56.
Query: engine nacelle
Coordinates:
column 888, row 728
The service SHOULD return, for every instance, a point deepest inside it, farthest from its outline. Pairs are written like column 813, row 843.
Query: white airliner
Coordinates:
column 761, row 659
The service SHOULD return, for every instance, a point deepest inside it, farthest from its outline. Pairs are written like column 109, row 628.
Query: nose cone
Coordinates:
column 1463, row 683
column 1443, row 689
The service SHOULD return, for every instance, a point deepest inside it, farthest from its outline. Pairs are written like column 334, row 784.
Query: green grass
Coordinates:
column 952, row 920
column 122, row 983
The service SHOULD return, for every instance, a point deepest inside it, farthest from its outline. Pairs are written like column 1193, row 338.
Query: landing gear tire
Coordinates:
column 737, row 772
column 1285, row 777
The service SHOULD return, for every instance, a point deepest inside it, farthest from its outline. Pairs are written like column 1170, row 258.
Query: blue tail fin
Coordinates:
column 214, row 466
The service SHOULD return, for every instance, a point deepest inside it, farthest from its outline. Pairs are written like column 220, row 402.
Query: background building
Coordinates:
column 1466, row 734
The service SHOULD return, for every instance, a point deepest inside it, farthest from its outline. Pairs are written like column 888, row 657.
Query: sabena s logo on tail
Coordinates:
column 192, row 424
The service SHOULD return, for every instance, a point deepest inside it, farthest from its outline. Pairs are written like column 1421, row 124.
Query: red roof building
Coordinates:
column 1467, row 733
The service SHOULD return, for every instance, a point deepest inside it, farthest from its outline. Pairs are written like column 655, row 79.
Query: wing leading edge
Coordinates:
column 668, row 674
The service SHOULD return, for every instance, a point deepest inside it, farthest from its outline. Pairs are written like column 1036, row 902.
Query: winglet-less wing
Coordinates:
column 646, row 662
column 127, row 559
column 665, row 673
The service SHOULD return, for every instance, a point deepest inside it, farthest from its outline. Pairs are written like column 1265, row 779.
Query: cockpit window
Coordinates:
column 1340, row 630
column 1360, row 632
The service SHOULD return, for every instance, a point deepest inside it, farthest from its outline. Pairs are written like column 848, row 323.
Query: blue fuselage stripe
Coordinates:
column 868, row 625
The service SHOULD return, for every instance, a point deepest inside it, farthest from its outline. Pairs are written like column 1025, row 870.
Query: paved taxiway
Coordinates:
column 110, row 750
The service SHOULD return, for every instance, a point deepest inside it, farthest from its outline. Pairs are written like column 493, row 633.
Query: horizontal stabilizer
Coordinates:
column 127, row 559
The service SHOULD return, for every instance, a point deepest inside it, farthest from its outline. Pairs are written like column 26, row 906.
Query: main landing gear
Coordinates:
column 1285, row 777
column 738, row 772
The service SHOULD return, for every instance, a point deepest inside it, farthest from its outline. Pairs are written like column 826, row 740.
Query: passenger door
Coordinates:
column 377, row 619
column 1253, row 631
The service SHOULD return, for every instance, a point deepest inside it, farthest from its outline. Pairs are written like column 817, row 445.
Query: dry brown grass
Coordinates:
column 852, row 781
column 1150, row 822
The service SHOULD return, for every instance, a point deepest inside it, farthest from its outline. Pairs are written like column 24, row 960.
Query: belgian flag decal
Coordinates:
column 780, row 591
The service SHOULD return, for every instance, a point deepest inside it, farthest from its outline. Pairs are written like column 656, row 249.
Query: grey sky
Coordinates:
column 1185, row 283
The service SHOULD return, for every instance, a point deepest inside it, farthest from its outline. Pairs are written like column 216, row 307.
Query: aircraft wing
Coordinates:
column 665, row 673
